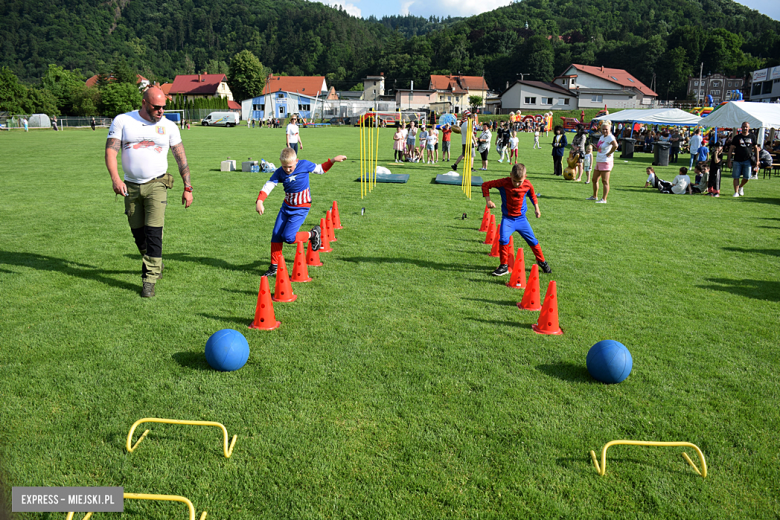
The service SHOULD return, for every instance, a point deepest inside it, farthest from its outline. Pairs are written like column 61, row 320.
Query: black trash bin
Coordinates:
column 628, row 148
column 661, row 153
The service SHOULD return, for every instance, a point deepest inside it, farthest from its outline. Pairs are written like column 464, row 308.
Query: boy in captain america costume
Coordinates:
column 513, row 193
column 294, row 176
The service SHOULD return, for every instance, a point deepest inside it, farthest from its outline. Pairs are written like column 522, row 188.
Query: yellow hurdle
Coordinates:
column 228, row 450
column 144, row 496
column 603, row 468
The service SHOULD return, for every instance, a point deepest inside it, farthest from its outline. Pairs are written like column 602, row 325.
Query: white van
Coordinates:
column 220, row 119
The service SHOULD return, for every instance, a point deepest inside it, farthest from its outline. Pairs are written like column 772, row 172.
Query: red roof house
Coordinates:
column 310, row 86
column 201, row 86
column 615, row 76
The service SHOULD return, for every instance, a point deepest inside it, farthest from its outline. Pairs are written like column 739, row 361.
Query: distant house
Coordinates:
column 194, row 86
column 537, row 96
column 453, row 91
column 597, row 87
column 408, row 99
column 718, row 86
column 142, row 81
column 374, row 87
column 284, row 95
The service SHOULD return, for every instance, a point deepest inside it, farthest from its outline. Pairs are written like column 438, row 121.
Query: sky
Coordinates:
column 426, row 8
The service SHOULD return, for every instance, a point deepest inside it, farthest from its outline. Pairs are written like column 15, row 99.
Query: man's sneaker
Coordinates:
column 501, row 270
column 741, row 192
column 316, row 238
column 591, row 198
column 544, row 266
column 454, row 167
column 601, row 201
column 148, row 290
column 271, row 271
column 736, row 194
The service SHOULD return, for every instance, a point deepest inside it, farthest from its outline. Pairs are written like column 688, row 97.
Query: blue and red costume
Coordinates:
column 296, row 205
column 513, row 208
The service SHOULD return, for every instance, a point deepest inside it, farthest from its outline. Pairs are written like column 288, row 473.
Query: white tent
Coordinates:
column 655, row 116
column 39, row 121
column 734, row 113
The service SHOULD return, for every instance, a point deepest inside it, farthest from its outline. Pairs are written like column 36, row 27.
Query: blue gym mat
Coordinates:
column 457, row 180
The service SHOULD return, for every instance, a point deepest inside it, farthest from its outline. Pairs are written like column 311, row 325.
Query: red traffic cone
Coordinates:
column 511, row 258
column 485, row 219
column 300, row 270
column 517, row 280
column 264, row 312
column 494, row 251
column 324, row 236
column 312, row 257
column 548, row 318
column 329, row 222
column 336, row 217
column 283, row 291
column 531, row 298
column 490, row 230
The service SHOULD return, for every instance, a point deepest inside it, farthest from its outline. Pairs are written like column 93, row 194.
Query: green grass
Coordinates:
column 403, row 382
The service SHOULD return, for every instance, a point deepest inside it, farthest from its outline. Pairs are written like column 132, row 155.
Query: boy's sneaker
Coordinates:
column 454, row 167
column 591, row 198
column 601, row 201
column 316, row 238
column 544, row 266
column 741, row 192
column 147, row 291
column 736, row 194
column 501, row 270
column 271, row 271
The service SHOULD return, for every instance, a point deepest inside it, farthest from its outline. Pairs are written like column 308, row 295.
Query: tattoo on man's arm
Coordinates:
column 181, row 160
column 113, row 144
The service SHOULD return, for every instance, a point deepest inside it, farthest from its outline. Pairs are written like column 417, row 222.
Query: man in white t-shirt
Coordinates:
column 695, row 143
column 144, row 136
column 293, row 137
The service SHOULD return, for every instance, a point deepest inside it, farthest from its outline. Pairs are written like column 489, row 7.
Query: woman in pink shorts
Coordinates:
column 606, row 147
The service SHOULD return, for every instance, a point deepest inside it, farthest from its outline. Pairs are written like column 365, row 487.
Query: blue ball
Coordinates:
column 609, row 361
column 227, row 350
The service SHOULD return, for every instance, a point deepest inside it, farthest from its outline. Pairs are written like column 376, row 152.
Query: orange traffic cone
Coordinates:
column 548, row 318
column 329, row 222
column 485, row 220
column 300, row 271
column 490, row 230
column 531, row 298
column 324, row 236
column 494, row 251
column 517, row 280
column 283, row 291
column 511, row 258
column 264, row 312
column 336, row 217
column 312, row 257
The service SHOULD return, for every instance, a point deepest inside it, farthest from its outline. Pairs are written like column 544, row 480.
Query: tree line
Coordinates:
column 49, row 44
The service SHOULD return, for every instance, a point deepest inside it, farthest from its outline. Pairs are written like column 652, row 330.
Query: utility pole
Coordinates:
column 699, row 90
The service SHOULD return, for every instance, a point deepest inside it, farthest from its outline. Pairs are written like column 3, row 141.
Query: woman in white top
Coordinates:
column 606, row 148
column 293, row 137
column 484, row 145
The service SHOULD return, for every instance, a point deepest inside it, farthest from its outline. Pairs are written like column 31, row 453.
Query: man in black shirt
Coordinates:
column 743, row 154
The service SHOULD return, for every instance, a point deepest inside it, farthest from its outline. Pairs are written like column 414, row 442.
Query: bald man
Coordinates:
column 144, row 136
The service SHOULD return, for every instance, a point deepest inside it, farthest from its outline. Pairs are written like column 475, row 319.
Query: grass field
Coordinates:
column 404, row 382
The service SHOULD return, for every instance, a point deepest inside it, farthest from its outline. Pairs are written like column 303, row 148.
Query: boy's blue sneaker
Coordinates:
column 316, row 238
column 271, row 271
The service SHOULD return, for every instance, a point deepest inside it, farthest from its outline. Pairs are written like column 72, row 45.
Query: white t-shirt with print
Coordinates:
column 680, row 184
column 513, row 142
column 144, row 145
column 603, row 146
column 292, row 131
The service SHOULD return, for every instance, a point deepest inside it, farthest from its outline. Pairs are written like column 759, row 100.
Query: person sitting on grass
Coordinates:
column 513, row 190
column 680, row 185
column 651, row 178
column 702, row 176
column 294, row 176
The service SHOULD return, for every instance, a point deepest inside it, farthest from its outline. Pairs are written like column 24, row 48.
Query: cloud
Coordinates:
column 351, row 9
column 450, row 7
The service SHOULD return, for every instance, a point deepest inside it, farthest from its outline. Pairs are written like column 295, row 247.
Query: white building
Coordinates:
column 533, row 96
column 597, row 87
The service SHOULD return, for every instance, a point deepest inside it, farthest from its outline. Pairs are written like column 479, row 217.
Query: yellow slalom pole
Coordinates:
column 370, row 156
column 360, row 125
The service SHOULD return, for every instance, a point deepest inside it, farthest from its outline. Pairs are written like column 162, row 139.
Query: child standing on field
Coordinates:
column 514, row 141
column 294, row 176
column 536, row 139
column 398, row 144
column 587, row 162
column 513, row 190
